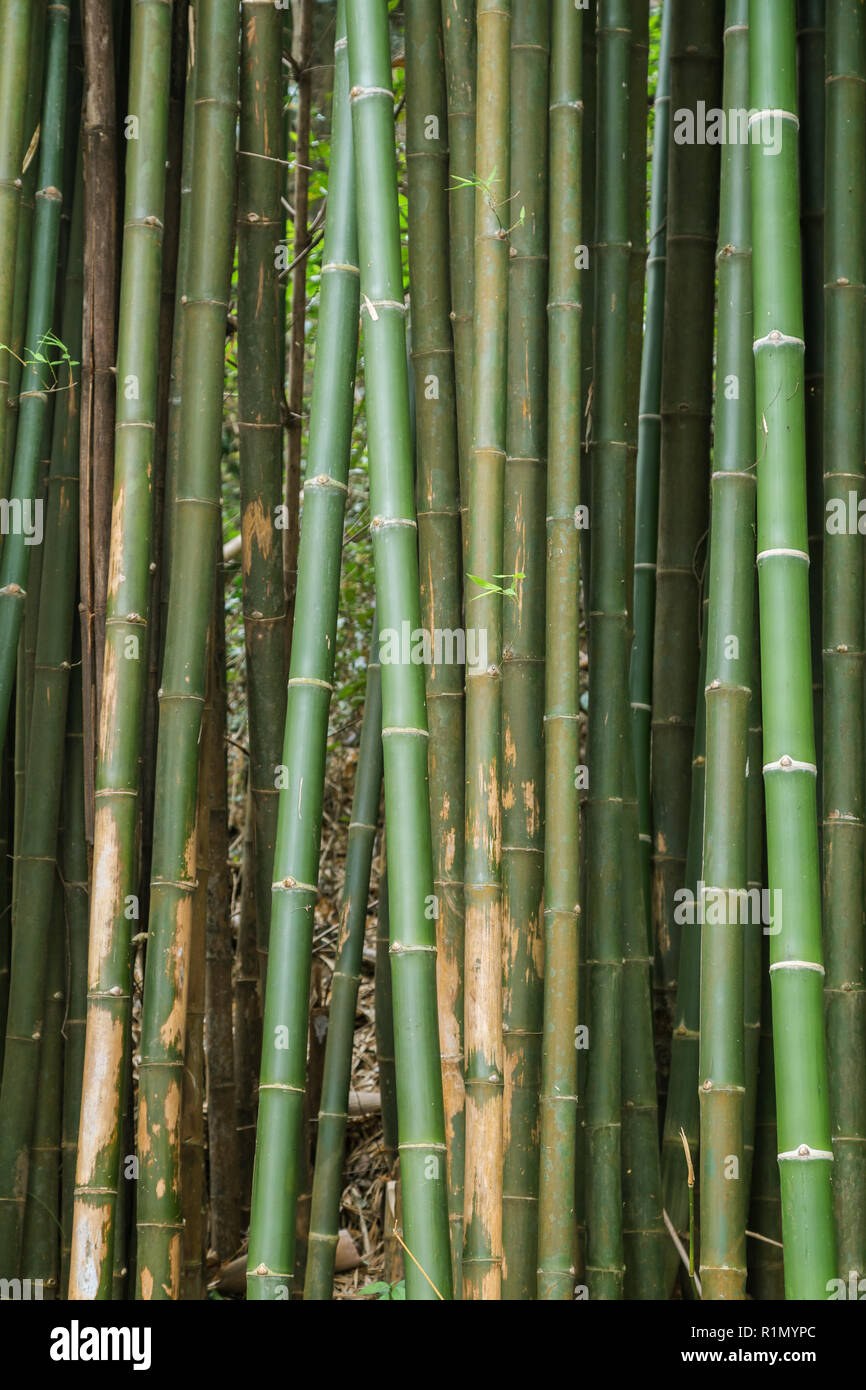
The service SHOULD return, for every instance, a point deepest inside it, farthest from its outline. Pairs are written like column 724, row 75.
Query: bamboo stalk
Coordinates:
column 14, row 71
column 843, row 627
column 276, row 1182
column 459, row 49
column 648, row 455
column 440, row 550
column 260, row 366
column 334, row 1107
column 114, row 903
column 722, row 1071
column 484, row 1062
column 696, row 33
column 796, row 968
column 523, row 647
column 98, row 361
column 36, row 377
column 196, row 512
column 404, row 722
column 558, row 1101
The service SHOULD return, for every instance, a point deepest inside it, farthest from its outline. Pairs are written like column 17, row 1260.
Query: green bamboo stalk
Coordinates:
column 37, row 376
column 644, row 1237
column 524, row 546
column 15, row 21
column 796, row 968
column 284, row 1052
column 558, row 1100
column 247, row 1048
column 384, row 1005
column 843, row 626
column 36, row 844
column 439, row 542
column 404, row 721
column 753, row 972
column 24, row 240
column 766, row 1271
column 648, row 454
column 811, row 42
column 114, row 904
column 686, row 403
column 682, row 1110
column 722, row 1070
column 74, row 871
column 196, row 511
column 40, row 1246
column 193, row 1184
column 459, row 49
column 260, row 368
column 222, row 1138
column 607, row 619
column 484, row 1064
column 334, row 1108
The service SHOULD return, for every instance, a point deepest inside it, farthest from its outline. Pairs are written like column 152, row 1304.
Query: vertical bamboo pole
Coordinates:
column 558, row 1102
column 796, row 968
column 196, row 509
column 482, row 1247
column 270, row 1268
column 394, row 526
column 722, row 1072
column 843, row 625
column 114, row 904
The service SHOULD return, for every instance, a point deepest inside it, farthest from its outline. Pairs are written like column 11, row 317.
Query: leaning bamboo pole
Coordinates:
column 843, row 625
column 439, row 546
column 37, row 823
column 722, row 1068
column 36, row 376
column 558, row 1101
column 523, row 646
column 118, row 771
column 260, row 370
column 270, row 1267
column 404, row 721
column 336, row 1080
column 196, row 519
column 15, row 19
column 797, row 974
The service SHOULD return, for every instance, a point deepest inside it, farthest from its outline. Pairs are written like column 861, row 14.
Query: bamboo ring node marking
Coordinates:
column 798, row 965
column 781, row 552
column 788, row 764
column 805, row 1154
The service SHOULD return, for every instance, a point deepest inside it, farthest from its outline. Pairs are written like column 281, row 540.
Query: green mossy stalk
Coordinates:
column 15, row 18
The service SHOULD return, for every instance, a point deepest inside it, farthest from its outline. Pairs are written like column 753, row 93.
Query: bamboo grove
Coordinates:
column 432, row 630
